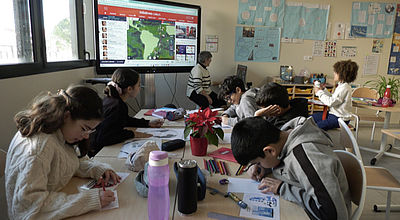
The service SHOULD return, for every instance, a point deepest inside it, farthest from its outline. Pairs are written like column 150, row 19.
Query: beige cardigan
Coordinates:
column 38, row 168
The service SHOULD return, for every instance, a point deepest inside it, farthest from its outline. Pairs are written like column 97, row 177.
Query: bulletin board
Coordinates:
column 394, row 57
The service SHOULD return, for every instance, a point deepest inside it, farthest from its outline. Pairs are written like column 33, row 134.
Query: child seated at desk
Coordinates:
column 276, row 106
column 339, row 103
column 305, row 169
column 125, row 83
column 42, row 157
column 243, row 103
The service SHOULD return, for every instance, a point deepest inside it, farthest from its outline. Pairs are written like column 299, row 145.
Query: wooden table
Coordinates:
column 383, row 147
column 133, row 206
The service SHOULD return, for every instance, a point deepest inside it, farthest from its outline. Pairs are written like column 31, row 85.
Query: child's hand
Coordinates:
column 111, row 175
column 271, row 110
column 256, row 172
column 316, row 89
column 156, row 123
column 269, row 185
column 106, row 197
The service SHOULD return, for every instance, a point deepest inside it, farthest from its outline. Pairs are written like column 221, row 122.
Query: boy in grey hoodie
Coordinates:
column 243, row 103
column 304, row 167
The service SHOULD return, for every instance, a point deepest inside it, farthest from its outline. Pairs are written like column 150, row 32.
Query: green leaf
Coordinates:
column 212, row 138
column 219, row 132
column 187, row 131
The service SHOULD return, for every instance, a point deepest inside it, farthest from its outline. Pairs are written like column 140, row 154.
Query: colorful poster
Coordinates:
column 261, row 12
column 372, row 19
column 257, row 44
column 330, row 49
column 377, row 46
column 349, row 51
column 394, row 58
column 305, row 21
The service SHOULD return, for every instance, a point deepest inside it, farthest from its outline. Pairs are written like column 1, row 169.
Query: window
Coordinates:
column 40, row 36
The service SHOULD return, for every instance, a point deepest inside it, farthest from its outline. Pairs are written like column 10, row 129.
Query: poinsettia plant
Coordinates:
column 202, row 124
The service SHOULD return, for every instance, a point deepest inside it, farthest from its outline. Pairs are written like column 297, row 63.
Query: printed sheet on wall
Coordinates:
column 261, row 12
column 305, row 21
column 257, row 44
column 394, row 58
column 372, row 19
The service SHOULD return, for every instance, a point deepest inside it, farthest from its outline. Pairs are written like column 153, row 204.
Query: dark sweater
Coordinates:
column 298, row 107
column 111, row 130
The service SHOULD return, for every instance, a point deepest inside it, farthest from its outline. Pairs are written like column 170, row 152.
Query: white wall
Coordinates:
column 16, row 93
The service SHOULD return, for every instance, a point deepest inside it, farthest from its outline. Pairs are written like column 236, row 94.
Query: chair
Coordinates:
column 356, row 179
column 378, row 178
column 371, row 94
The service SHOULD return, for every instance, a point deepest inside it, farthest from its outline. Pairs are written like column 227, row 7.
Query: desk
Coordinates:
column 131, row 205
column 383, row 147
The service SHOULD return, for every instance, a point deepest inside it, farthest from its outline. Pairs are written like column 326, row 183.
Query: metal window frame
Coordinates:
column 40, row 64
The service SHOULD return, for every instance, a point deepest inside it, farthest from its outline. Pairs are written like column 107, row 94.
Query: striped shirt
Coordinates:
column 199, row 80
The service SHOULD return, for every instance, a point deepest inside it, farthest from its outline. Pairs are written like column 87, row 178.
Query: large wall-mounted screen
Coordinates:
column 149, row 36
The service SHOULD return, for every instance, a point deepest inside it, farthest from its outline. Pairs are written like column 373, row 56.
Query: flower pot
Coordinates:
column 198, row 146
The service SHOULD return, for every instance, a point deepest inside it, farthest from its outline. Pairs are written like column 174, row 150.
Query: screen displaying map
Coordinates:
column 147, row 34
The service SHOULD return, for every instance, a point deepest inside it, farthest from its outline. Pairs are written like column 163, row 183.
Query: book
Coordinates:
column 224, row 154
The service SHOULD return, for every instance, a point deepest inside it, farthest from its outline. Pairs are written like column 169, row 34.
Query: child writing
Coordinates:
column 305, row 169
column 243, row 102
column 125, row 84
column 339, row 103
column 42, row 157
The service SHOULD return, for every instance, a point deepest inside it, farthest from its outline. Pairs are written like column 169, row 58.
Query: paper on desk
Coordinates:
column 163, row 133
column 114, row 204
column 133, row 146
column 91, row 184
column 242, row 185
column 261, row 206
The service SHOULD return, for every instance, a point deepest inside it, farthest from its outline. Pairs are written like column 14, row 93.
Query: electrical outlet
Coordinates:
column 307, row 57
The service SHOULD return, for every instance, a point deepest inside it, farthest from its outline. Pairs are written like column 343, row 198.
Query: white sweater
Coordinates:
column 339, row 102
column 38, row 168
column 199, row 80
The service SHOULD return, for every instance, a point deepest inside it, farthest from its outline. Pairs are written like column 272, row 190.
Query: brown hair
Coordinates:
column 347, row 70
column 123, row 78
column 46, row 113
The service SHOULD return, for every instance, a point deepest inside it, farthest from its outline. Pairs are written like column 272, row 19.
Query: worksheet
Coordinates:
column 261, row 206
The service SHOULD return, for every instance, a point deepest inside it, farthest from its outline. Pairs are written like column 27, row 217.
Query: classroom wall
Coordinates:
column 219, row 17
column 16, row 93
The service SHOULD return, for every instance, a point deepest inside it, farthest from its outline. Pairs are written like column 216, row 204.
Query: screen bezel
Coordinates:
column 145, row 69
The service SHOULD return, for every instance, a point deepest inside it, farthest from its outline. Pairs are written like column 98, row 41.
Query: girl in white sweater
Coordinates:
column 42, row 157
column 339, row 103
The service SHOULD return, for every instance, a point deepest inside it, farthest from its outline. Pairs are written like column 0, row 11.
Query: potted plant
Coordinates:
column 200, row 126
column 380, row 85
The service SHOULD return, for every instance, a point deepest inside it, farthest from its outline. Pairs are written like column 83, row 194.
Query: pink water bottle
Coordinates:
column 386, row 97
column 158, row 196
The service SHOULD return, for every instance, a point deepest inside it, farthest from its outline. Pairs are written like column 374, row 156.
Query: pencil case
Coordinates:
column 173, row 145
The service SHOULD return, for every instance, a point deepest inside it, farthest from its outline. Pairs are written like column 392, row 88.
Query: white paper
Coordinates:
column 261, row 206
column 356, row 5
column 227, row 138
column 114, row 204
column 318, row 48
column 133, row 146
column 338, row 33
column 163, row 133
column 379, row 29
column 371, row 65
column 348, row 31
column 241, row 185
column 362, row 15
column 349, row 51
column 92, row 183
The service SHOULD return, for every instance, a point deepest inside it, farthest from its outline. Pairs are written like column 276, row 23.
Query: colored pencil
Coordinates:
column 237, row 172
column 220, row 167
column 215, row 165
column 223, row 167
column 212, row 166
column 205, row 164
column 226, row 168
column 241, row 171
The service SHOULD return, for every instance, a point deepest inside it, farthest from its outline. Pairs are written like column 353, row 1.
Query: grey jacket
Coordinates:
column 312, row 175
column 246, row 107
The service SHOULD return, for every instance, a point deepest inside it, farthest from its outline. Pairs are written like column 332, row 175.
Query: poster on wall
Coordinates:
column 330, row 49
column 261, row 12
column 377, row 46
column 349, row 51
column 257, row 44
column 394, row 57
column 372, row 19
column 305, row 21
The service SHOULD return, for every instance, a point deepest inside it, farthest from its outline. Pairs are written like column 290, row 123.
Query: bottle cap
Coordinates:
column 158, row 158
column 187, row 163
column 389, row 86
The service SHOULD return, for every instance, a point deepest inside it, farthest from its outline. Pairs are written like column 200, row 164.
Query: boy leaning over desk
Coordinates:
column 305, row 170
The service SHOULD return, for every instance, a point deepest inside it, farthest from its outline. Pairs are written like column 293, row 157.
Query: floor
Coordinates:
column 391, row 163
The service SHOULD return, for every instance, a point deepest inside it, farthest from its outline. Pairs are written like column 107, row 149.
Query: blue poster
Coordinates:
column 261, row 12
column 305, row 21
column 394, row 58
column 257, row 44
column 372, row 19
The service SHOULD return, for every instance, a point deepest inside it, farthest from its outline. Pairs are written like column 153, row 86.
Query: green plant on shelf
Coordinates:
column 380, row 84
